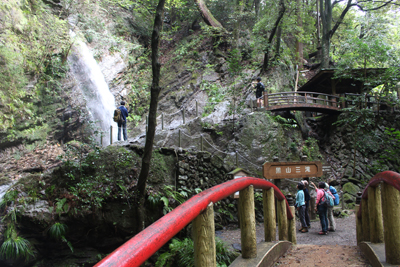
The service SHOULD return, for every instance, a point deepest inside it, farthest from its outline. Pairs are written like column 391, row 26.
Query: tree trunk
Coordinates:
column 257, row 7
column 299, row 44
column 326, row 17
column 282, row 10
column 207, row 16
column 155, row 91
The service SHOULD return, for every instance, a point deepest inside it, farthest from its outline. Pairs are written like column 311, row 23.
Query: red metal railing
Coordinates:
column 389, row 177
column 143, row 245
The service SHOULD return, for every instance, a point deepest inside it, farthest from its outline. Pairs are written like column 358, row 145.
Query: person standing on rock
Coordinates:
column 332, row 223
column 301, row 207
column 259, row 91
column 122, row 124
column 307, row 198
column 320, row 208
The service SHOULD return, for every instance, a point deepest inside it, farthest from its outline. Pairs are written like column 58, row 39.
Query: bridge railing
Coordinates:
column 199, row 209
column 374, row 102
column 302, row 98
column 378, row 215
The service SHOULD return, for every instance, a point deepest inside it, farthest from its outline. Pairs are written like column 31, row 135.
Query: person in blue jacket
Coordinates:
column 124, row 115
column 301, row 207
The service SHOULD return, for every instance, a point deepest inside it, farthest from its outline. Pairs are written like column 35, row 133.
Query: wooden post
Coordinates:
column 359, row 233
column 101, row 139
column 111, row 135
column 365, row 220
column 251, row 105
column 204, row 238
column 201, row 142
column 269, row 215
column 391, row 223
column 313, row 214
column 375, row 214
column 247, row 223
column 292, row 227
column 179, row 138
column 283, row 223
column 183, row 115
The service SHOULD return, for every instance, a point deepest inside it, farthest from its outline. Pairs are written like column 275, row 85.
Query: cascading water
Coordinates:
column 99, row 100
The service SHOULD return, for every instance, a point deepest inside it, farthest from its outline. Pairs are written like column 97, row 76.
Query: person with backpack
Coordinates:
column 321, row 207
column 329, row 188
column 301, row 207
column 259, row 91
column 307, row 198
column 122, row 121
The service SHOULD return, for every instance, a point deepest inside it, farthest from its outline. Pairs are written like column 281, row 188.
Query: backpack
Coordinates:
column 328, row 202
column 335, row 194
column 117, row 116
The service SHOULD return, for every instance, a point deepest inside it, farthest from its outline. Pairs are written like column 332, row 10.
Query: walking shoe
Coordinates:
column 304, row 230
column 323, row 233
column 331, row 230
column 309, row 226
column 301, row 229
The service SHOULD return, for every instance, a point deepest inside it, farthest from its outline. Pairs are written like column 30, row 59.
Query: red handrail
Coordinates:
column 143, row 245
column 389, row 177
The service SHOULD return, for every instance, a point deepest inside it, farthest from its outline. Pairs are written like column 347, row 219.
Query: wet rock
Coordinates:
column 351, row 189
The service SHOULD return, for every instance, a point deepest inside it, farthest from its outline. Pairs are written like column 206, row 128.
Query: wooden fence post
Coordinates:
column 375, row 214
column 269, row 215
column 283, row 222
column 365, row 220
column 204, row 238
column 291, row 223
column 247, row 223
column 391, row 222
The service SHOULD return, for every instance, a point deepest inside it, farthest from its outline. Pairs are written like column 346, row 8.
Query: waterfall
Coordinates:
column 99, row 100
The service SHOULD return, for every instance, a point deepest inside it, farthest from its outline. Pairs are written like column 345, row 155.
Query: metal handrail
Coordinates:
column 143, row 245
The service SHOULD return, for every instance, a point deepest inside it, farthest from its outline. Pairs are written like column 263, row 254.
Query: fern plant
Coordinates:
column 181, row 254
column 15, row 246
column 57, row 232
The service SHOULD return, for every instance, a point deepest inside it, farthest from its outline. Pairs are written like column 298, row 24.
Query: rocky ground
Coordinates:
column 338, row 248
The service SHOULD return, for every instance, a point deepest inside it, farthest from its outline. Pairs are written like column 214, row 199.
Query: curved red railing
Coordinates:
column 389, row 177
column 143, row 245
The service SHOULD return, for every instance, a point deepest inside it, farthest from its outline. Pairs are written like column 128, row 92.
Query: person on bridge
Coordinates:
column 320, row 208
column 124, row 114
column 259, row 91
column 301, row 207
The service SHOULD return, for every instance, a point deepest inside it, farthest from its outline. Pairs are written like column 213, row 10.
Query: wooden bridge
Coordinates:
column 377, row 225
column 323, row 103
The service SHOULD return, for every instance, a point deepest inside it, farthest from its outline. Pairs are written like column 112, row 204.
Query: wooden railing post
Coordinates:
column 204, row 238
column 265, row 99
column 269, row 215
column 375, row 214
column 365, row 220
column 291, row 223
column 391, row 222
column 282, row 221
column 359, row 233
column 247, row 223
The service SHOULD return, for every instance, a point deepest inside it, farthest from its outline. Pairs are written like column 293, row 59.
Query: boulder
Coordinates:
column 351, row 189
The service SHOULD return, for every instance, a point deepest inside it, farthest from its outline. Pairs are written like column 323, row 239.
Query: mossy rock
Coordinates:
column 347, row 198
column 351, row 189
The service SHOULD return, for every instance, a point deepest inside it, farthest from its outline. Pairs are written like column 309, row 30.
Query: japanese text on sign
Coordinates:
column 280, row 170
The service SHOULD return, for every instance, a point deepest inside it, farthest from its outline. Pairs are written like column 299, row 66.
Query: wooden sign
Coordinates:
column 282, row 170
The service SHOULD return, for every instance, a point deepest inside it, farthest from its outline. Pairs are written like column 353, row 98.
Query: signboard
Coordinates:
column 282, row 170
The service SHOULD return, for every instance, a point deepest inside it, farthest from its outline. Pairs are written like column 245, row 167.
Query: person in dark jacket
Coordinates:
column 259, row 91
column 124, row 115
column 307, row 198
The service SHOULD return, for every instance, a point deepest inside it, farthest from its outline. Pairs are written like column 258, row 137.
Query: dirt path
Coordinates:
column 338, row 248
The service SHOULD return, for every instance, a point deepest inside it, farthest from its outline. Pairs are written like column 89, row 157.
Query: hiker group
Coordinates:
column 327, row 198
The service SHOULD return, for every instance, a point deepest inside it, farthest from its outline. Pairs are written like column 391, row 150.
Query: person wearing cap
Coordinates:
column 301, row 207
column 122, row 125
column 332, row 223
